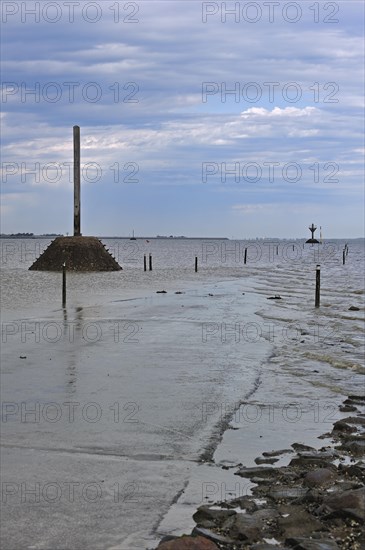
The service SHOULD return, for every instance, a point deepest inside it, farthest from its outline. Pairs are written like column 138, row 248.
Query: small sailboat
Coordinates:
column 133, row 238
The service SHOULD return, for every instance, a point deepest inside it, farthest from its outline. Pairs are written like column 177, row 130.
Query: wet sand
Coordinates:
column 106, row 413
column 129, row 409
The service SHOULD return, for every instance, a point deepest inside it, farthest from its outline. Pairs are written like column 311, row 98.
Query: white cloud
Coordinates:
column 288, row 112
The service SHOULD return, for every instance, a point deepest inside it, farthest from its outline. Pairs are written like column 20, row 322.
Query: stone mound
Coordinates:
column 78, row 253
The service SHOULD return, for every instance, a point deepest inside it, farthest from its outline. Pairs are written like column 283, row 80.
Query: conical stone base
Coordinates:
column 312, row 241
column 78, row 253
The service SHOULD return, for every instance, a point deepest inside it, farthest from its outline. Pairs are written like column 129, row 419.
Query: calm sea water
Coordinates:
column 331, row 337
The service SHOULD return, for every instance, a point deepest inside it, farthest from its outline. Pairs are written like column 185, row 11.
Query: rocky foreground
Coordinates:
column 316, row 502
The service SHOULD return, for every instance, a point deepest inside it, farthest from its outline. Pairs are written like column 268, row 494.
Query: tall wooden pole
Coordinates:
column 77, row 180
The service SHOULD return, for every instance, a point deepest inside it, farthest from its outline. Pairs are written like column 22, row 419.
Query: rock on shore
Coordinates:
column 316, row 502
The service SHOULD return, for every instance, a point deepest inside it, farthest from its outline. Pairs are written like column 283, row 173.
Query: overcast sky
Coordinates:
column 235, row 119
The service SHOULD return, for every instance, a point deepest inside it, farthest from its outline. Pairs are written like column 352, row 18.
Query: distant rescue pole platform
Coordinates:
column 77, row 181
column 312, row 229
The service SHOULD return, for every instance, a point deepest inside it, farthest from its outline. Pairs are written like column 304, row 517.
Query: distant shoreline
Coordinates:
column 25, row 236
column 287, row 239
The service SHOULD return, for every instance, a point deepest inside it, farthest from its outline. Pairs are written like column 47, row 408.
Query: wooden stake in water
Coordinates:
column 64, row 285
column 150, row 258
column 245, row 258
column 145, row 263
column 344, row 256
column 318, row 285
column 196, row 264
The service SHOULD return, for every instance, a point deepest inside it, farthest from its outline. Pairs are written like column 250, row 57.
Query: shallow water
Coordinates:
column 120, row 395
